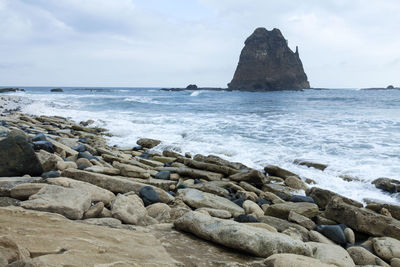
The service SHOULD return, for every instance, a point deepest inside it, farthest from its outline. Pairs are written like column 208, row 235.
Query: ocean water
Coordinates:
column 357, row 133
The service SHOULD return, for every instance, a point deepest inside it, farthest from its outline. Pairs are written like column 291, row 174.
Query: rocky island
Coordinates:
column 268, row 64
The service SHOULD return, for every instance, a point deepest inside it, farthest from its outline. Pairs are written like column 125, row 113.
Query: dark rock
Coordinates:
column 149, row 195
column 242, row 218
column 82, row 140
column 273, row 170
column 197, row 181
column 239, row 201
column 262, row 201
column 45, row 145
column 298, row 198
column 4, row 123
column 310, row 164
column 17, row 157
column 191, row 87
column 148, row 143
column 8, row 201
column 50, row 174
column 86, row 155
column 7, row 90
column 390, row 87
column 181, row 186
column 56, row 90
column 136, row 148
column 79, row 148
column 145, row 155
column 334, row 233
column 83, row 166
column 267, row 64
column 39, row 137
column 163, row 175
column 386, row 184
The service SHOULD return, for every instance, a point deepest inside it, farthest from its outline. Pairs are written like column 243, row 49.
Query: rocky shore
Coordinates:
column 68, row 198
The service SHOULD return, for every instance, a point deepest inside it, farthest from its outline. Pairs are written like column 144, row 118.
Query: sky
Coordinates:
column 159, row 43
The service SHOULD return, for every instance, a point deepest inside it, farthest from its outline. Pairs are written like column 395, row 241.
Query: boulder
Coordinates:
column 131, row 171
column 219, row 161
column 299, row 198
column 94, row 192
column 223, row 214
column 387, row 248
column 129, row 209
column 281, row 225
column 63, row 165
column 43, row 145
column 387, row 184
column 334, row 233
column 268, row 64
column 295, row 183
column 282, row 210
column 310, row 164
column 272, row 170
column 149, row 195
column 253, row 240
column 377, row 206
column 62, row 242
column 293, row 260
column 282, row 191
column 302, row 220
column 48, row 160
column 253, row 177
column 252, row 208
column 317, row 237
column 24, row 191
column 71, row 203
column 361, row 219
column 331, row 254
column 211, row 187
column 159, row 211
column 395, row 262
column 362, row 256
column 199, row 199
column 17, row 157
column 148, row 143
column 94, row 211
column 103, row 170
column 225, row 170
column 350, row 236
column 114, row 184
column 323, row 196
column 163, row 175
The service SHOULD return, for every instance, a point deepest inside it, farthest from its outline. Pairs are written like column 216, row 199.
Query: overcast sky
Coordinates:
column 160, row 43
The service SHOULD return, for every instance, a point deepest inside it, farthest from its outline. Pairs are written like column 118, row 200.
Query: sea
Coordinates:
column 355, row 132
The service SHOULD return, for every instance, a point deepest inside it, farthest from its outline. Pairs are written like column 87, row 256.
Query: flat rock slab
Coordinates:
column 83, row 245
column 71, row 203
column 282, row 210
column 256, row 241
column 198, row 199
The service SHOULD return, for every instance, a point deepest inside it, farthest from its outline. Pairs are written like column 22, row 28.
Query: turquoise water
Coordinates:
column 356, row 133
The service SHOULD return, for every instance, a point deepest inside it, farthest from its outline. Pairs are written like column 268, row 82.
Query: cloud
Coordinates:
column 174, row 43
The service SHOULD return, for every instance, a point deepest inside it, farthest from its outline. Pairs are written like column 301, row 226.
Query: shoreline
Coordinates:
column 75, row 173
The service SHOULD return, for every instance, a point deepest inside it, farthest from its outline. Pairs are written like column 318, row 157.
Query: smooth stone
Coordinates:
column 253, row 177
column 159, row 211
column 317, row 237
column 293, row 260
column 63, row 165
column 386, row 248
column 71, row 203
column 48, row 160
column 50, row 174
column 362, row 220
column 321, row 220
column 17, row 157
column 333, row 232
column 387, row 184
column 84, row 161
column 252, row 208
column 79, row 148
column 281, row 225
column 164, row 159
column 94, row 211
column 395, row 262
column 301, row 220
column 163, row 175
column 39, row 137
column 362, row 256
column 149, row 195
column 103, row 170
column 282, row 210
column 253, row 240
column 331, row 254
column 95, row 193
column 262, row 225
column 212, row 188
column 199, row 199
column 225, row 170
column 24, row 191
column 282, row 191
column 86, row 155
column 350, row 236
column 242, row 218
column 63, row 149
column 295, row 183
column 131, row 171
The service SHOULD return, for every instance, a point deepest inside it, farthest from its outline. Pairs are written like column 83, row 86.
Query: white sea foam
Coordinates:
column 349, row 145
column 196, row 93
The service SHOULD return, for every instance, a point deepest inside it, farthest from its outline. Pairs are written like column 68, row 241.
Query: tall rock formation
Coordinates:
column 267, row 64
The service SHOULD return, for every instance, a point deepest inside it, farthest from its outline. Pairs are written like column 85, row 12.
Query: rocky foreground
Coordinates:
column 67, row 198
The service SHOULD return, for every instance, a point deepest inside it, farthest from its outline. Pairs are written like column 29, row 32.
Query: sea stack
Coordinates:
column 268, row 64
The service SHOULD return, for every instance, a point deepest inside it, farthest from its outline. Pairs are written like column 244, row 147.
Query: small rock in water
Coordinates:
column 45, row 145
column 242, row 218
column 39, row 137
column 50, row 174
column 79, row 148
column 298, row 198
column 149, row 195
column 163, row 175
column 386, row 184
column 333, row 232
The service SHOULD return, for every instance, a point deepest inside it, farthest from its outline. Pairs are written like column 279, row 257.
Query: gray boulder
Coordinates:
column 253, row 240
column 323, row 196
column 331, row 254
